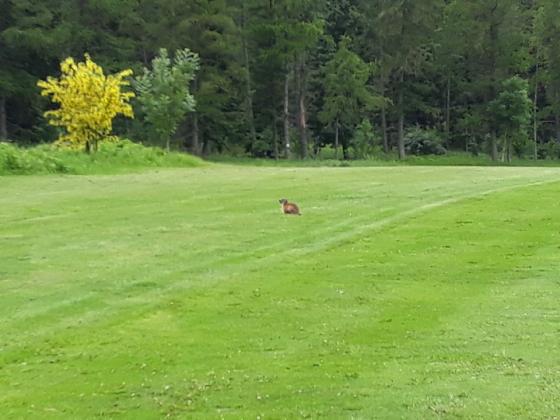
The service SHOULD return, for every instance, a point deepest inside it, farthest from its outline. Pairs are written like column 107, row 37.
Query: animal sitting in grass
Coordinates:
column 289, row 208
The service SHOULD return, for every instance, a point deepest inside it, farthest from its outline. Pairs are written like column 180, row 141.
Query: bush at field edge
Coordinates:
column 111, row 157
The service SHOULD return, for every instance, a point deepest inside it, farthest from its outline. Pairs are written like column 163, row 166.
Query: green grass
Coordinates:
column 402, row 292
column 111, row 158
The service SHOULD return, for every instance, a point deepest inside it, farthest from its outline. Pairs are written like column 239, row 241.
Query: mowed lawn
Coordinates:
column 406, row 292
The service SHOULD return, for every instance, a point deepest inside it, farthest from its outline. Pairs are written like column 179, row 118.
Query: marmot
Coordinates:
column 289, row 208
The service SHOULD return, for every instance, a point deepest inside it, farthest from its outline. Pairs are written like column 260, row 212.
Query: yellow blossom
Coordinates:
column 88, row 101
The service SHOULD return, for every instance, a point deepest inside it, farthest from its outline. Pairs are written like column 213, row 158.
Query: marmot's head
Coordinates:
column 282, row 201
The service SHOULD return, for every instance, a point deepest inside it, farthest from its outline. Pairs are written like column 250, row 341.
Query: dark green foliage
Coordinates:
column 418, row 141
column 163, row 91
column 512, row 107
column 511, row 111
column 365, row 142
column 41, row 159
column 400, row 64
column 347, row 94
column 549, row 150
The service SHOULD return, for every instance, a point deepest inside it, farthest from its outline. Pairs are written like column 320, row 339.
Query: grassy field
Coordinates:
column 402, row 292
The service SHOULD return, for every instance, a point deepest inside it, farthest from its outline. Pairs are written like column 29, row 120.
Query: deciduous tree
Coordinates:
column 87, row 100
column 163, row 91
column 512, row 112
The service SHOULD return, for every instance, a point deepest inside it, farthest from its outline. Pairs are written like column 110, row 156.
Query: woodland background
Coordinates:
column 290, row 78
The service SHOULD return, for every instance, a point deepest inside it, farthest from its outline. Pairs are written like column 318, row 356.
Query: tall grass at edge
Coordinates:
column 112, row 157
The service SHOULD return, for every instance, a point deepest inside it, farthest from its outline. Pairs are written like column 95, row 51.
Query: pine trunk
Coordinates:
column 249, row 90
column 494, row 147
column 448, row 113
column 494, row 37
column 145, row 57
column 384, row 129
column 503, row 157
column 336, row 142
column 557, row 127
column 402, row 154
column 508, row 145
column 196, row 145
column 195, row 135
column 275, row 141
column 384, row 120
column 302, row 117
column 287, row 146
column 535, row 112
column 275, row 134
column 3, row 119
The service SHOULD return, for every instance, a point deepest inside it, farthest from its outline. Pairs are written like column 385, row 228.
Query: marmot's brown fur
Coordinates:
column 289, row 208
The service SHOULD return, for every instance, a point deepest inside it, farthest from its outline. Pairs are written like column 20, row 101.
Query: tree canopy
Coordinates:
column 286, row 77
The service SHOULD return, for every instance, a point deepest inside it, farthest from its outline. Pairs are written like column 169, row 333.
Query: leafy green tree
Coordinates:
column 6, row 74
column 348, row 97
column 496, row 48
column 548, row 41
column 163, row 91
column 210, row 29
column 363, row 141
column 449, row 56
column 407, row 29
column 512, row 113
column 28, row 47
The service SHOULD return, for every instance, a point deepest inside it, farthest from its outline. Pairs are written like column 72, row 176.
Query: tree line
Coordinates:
column 286, row 78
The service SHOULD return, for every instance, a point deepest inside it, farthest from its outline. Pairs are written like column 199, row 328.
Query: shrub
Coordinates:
column 549, row 150
column 418, row 141
column 88, row 102
column 364, row 141
column 112, row 156
column 263, row 146
column 14, row 160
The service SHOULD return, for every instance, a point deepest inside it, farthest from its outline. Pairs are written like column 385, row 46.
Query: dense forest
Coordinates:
column 286, row 78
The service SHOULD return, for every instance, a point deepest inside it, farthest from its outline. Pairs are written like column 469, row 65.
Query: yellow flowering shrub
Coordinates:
column 88, row 102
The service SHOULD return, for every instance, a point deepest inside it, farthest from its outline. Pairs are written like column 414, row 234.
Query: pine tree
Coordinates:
column 348, row 97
